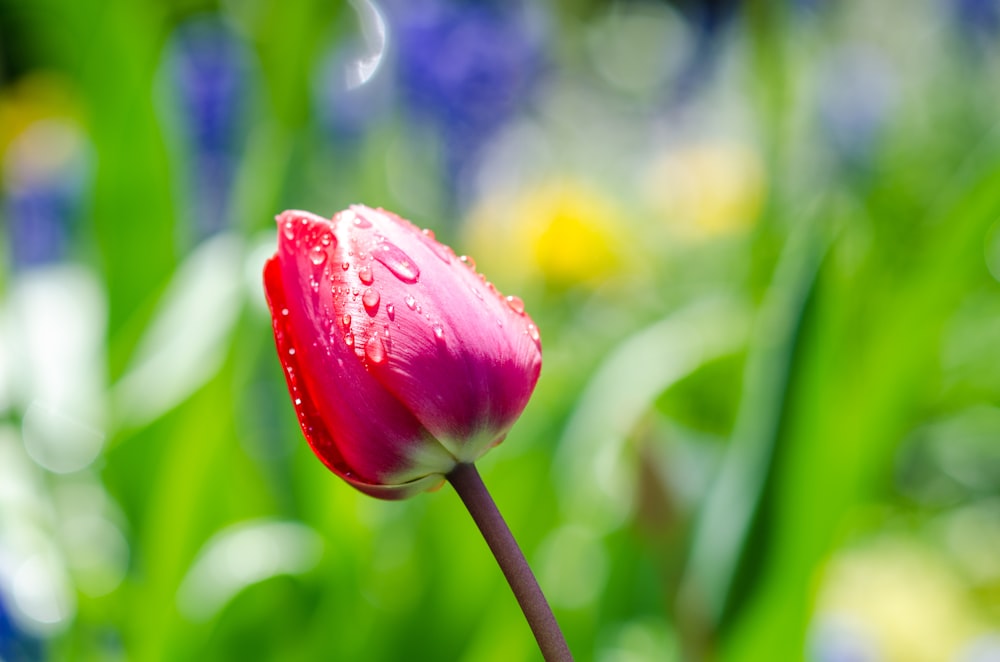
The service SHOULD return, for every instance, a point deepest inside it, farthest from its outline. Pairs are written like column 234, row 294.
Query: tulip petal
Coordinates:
column 463, row 357
column 358, row 429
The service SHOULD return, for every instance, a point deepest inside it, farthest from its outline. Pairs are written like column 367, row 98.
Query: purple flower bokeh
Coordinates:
column 467, row 68
column 209, row 75
column 45, row 172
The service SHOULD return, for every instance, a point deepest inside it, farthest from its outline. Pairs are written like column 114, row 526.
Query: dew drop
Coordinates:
column 326, row 239
column 345, row 266
column 361, row 222
column 468, row 261
column 427, row 232
column 533, row 333
column 346, row 319
column 284, row 312
column 317, row 255
column 349, row 339
column 370, row 299
column 438, row 333
column 410, row 302
column 298, row 401
column 289, row 230
column 516, row 304
column 442, row 251
column 375, row 350
column 291, row 351
column 398, row 262
column 365, row 274
column 390, row 310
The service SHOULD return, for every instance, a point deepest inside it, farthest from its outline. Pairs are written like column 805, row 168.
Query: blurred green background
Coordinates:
column 760, row 240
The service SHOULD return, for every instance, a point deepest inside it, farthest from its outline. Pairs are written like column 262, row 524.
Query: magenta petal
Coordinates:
column 464, row 359
column 358, row 429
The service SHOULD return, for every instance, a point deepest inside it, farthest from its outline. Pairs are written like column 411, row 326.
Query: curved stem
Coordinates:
column 469, row 485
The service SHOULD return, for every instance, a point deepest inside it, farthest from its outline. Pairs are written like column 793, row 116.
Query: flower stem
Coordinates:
column 469, row 485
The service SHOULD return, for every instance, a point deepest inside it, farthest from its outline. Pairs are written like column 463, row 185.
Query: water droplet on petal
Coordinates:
column 284, row 312
column 346, row 319
column 375, row 350
column 370, row 299
column 533, row 333
column 326, row 239
column 317, row 254
column 516, row 304
column 345, row 266
column 410, row 302
column 468, row 261
column 365, row 274
column 361, row 222
column 438, row 333
column 398, row 262
column 442, row 251
column 349, row 339
column 390, row 310
column 289, row 230
column 291, row 351
column 427, row 232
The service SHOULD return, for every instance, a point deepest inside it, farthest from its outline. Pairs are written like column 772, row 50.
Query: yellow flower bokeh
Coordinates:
column 706, row 190
column 564, row 230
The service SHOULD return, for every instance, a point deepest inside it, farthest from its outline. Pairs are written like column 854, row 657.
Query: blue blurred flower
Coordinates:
column 978, row 18
column 353, row 88
column 345, row 106
column 15, row 645
column 709, row 20
column 209, row 75
column 44, row 174
column 858, row 89
column 467, row 67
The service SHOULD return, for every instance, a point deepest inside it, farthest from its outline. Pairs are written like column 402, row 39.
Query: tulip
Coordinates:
column 405, row 366
column 402, row 361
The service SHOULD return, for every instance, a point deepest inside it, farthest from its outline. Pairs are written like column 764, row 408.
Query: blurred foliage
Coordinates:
column 761, row 241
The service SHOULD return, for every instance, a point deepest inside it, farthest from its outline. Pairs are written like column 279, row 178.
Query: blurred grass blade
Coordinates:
column 188, row 338
column 726, row 518
column 593, row 476
column 241, row 555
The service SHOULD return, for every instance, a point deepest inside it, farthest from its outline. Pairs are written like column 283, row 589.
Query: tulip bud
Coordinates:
column 401, row 360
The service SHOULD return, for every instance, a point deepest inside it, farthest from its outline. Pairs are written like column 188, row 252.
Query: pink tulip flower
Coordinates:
column 402, row 361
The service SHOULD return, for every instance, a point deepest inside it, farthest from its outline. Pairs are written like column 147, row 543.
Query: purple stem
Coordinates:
column 469, row 485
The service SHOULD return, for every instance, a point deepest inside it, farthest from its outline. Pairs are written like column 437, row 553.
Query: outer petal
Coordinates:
column 463, row 358
column 359, row 429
